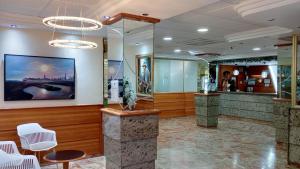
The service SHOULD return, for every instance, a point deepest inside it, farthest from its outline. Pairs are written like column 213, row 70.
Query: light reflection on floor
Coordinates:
column 235, row 144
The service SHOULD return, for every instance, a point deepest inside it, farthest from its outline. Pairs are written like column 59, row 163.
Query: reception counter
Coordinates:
column 257, row 106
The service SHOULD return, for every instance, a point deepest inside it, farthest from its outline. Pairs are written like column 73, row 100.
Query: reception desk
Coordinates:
column 257, row 106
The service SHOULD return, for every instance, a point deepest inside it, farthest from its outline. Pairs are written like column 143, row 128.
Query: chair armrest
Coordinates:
column 9, row 147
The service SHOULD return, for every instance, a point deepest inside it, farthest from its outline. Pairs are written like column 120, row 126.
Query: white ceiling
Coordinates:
column 222, row 19
column 29, row 13
column 180, row 19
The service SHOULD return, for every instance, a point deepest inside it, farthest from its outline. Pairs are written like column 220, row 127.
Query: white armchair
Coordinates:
column 12, row 159
column 35, row 138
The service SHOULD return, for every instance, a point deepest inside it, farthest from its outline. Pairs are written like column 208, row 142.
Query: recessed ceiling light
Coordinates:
column 106, row 17
column 137, row 44
column 168, row 38
column 177, row 50
column 13, row 26
column 272, row 19
column 256, row 49
column 202, row 30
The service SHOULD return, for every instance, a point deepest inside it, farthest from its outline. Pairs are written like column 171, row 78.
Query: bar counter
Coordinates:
column 257, row 106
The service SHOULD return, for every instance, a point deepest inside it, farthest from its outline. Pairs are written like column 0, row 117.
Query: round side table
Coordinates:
column 64, row 156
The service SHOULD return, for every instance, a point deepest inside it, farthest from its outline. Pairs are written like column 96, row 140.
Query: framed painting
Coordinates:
column 144, row 75
column 38, row 78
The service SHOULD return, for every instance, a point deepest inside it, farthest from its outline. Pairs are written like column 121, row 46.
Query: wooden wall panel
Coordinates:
column 174, row 104
column 189, row 101
column 77, row 127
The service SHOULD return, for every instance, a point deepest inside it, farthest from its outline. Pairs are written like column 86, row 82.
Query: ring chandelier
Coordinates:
column 74, row 44
column 52, row 22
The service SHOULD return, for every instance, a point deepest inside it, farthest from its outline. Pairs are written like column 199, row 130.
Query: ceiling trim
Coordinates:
column 255, row 6
column 120, row 16
column 257, row 33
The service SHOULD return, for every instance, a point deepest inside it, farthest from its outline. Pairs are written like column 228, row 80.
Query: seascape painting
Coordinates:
column 38, row 78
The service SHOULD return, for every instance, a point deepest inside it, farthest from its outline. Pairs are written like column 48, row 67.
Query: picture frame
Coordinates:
column 144, row 75
column 38, row 78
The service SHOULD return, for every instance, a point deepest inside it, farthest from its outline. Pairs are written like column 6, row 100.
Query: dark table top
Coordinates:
column 64, row 156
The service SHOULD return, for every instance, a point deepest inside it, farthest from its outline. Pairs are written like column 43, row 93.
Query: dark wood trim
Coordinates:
column 120, row 16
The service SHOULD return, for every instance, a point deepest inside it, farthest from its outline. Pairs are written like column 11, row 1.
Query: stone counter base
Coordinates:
column 130, row 141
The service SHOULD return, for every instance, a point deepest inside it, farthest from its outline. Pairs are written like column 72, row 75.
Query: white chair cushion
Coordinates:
column 15, row 159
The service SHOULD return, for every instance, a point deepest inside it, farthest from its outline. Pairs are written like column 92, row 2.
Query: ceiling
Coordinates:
column 180, row 19
column 29, row 13
column 222, row 19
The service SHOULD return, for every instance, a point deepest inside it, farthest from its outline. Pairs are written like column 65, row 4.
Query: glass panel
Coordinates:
column 190, row 76
column 284, row 72
column 203, row 77
column 298, row 72
column 138, row 56
column 113, row 64
column 168, row 75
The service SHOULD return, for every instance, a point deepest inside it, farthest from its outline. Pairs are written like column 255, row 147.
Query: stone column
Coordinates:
column 130, row 138
column 294, row 137
column 281, row 119
column 207, row 109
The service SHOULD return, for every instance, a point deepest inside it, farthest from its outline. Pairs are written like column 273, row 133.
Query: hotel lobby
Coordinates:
column 123, row 84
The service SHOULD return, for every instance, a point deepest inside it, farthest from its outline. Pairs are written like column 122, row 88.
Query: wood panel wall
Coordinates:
column 174, row 104
column 77, row 127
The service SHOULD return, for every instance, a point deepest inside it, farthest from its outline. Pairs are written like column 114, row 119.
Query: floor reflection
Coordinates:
column 236, row 144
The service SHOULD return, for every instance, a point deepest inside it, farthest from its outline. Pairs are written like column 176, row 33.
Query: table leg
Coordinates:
column 66, row 165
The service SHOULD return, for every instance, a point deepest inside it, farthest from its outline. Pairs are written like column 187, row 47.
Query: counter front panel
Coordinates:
column 247, row 105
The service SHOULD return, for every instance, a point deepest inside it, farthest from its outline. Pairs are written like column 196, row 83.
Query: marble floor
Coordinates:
column 235, row 144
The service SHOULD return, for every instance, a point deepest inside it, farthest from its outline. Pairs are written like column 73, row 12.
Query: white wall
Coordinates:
column 89, row 71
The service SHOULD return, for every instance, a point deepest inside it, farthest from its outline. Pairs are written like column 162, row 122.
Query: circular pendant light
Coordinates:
column 75, row 44
column 52, row 22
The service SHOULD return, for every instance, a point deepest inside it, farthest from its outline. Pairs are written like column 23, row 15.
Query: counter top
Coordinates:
column 130, row 113
column 206, row 94
column 249, row 93
column 281, row 99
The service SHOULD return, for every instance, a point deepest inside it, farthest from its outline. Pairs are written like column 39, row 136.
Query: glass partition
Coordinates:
column 168, row 75
column 284, row 72
column 174, row 75
column 138, row 56
column 297, row 53
column 128, row 61
column 113, row 64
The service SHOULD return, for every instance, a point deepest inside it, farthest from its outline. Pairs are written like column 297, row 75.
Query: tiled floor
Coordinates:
column 235, row 144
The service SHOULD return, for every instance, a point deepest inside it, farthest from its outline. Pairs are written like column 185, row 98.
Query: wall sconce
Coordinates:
column 236, row 72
